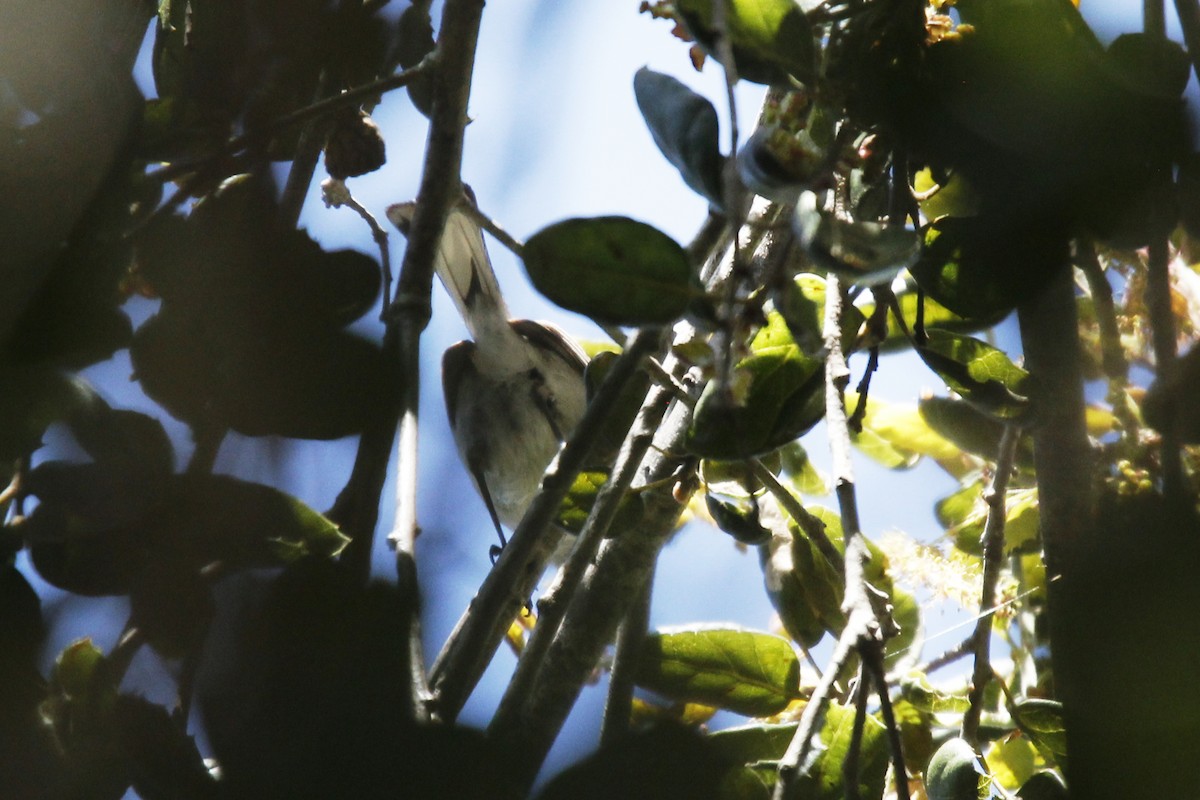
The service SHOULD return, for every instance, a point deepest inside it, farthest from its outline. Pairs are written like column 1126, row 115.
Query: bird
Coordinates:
column 514, row 391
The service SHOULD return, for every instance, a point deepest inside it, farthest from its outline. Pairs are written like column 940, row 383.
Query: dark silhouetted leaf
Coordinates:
column 751, row 673
column 163, row 759
column 32, row 398
column 684, row 126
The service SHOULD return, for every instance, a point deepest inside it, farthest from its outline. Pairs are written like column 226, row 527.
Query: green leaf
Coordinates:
column 747, row 744
column 861, row 252
column 1042, row 721
column 783, row 397
column 954, row 772
column 917, row 690
column 684, row 126
column 961, row 268
column 1043, row 786
column 934, row 315
column 901, row 436
column 972, row 430
column 772, row 40
column 983, row 375
column 613, row 269
column 953, row 198
column 1020, row 526
column 805, row 477
column 802, row 306
column 743, row 671
column 577, row 505
column 824, row 779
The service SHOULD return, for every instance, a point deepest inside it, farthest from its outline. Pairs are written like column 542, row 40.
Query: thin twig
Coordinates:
column 868, row 623
column 811, row 525
column 993, row 555
column 304, row 161
column 441, row 188
column 515, row 245
column 619, row 703
column 346, row 99
column 872, row 656
column 337, row 194
column 850, row 786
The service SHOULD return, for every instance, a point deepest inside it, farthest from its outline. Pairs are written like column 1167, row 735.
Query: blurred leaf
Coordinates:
column 953, row 198
column 824, row 780
column 126, row 440
column 621, row 414
column 1012, row 761
column 916, row 735
column 759, row 741
column 805, row 477
column 906, row 613
column 1042, row 721
column 935, row 315
column 771, row 39
column 1043, row 786
column 916, row 689
column 743, row 671
column 32, row 398
column 784, row 397
column 860, row 252
column 959, row 269
column 667, row 760
column 1020, row 527
column 684, row 126
column 163, row 759
column 577, row 505
column 972, row 430
column 904, row 435
column 954, row 772
column 613, row 269
column 983, row 375
column 802, row 306
column 414, row 41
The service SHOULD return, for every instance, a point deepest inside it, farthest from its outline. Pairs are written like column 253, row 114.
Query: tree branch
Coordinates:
column 993, row 555
column 441, row 187
column 619, row 704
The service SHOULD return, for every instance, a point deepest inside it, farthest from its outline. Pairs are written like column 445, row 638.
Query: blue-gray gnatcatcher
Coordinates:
column 515, row 392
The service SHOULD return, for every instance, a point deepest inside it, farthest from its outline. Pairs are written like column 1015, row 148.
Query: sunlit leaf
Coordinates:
column 613, row 269
column 783, row 399
column 1042, row 721
column 576, row 506
column 743, row 671
column 1012, row 761
column 1020, row 526
column 684, row 126
column 972, row 430
column 772, row 40
column 917, row 690
column 824, row 779
column 983, row 375
column 804, row 475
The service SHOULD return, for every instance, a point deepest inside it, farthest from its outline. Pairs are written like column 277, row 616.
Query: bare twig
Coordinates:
column 441, row 187
column 811, row 525
column 993, row 554
column 619, row 703
column 873, row 665
column 854, row 751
